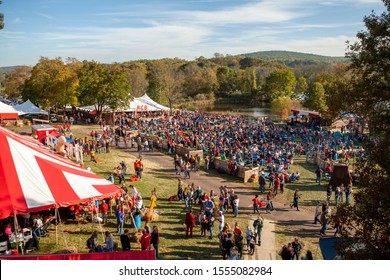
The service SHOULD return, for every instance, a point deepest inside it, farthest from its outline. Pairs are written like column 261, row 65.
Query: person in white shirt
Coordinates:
column 221, row 221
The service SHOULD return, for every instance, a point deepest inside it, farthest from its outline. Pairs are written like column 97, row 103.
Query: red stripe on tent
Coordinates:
column 9, row 115
column 11, row 194
column 59, row 186
column 62, row 191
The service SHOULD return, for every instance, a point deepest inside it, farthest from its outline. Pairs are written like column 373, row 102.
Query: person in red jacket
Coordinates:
column 145, row 240
column 103, row 208
column 190, row 223
column 256, row 203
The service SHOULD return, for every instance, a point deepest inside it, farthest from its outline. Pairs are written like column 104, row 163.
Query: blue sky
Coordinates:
column 122, row 30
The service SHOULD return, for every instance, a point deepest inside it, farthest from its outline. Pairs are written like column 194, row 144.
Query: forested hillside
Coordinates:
column 295, row 58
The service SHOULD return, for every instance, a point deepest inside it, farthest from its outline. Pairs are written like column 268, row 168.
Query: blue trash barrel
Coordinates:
column 137, row 220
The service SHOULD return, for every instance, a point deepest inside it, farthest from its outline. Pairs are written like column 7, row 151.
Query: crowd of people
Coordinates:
column 247, row 141
column 241, row 140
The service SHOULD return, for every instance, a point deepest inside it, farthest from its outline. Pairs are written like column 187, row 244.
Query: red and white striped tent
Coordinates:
column 34, row 178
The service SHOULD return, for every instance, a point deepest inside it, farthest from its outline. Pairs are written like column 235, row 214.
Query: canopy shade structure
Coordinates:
column 34, row 178
column 138, row 104
column 92, row 109
column 29, row 108
column 7, row 112
column 306, row 113
column 145, row 104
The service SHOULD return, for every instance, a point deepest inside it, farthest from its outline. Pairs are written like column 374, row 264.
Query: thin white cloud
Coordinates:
column 265, row 11
column 44, row 15
column 12, row 36
column 350, row 2
column 17, row 20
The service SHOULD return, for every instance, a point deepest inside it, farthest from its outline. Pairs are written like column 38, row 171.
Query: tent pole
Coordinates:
column 16, row 227
column 56, row 214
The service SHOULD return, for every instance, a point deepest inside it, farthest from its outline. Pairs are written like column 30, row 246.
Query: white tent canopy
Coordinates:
column 7, row 111
column 145, row 104
column 92, row 108
column 138, row 104
column 29, row 108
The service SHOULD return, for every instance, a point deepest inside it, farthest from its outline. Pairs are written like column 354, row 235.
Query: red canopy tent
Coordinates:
column 34, row 178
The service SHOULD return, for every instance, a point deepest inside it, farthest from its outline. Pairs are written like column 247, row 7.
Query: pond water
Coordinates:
column 264, row 110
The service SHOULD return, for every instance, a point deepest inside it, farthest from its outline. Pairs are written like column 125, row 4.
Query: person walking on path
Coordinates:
column 324, row 218
column 262, row 182
column 317, row 214
column 252, row 243
column 236, row 202
column 187, row 169
column 258, row 225
column 190, row 223
column 297, row 196
column 256, row 203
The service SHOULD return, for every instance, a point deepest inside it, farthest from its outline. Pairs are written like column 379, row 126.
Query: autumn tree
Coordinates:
column 1, row 19
column 52, row 84
column 172, row 83
column 15, row 80
column 136, row 77
column 280, row 83
column 301, row 87
column 283, row 105
column 369, row 218
column 316, row 99
column 198, row 80
column 155, row 73
column 104, row 86
column 227, row 81
column 247, row 81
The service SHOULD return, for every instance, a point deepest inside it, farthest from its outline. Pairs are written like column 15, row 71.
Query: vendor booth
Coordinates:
column 41, row 131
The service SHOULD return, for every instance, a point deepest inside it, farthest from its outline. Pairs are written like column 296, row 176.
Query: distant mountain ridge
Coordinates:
column 7, row 69
column 295, row 58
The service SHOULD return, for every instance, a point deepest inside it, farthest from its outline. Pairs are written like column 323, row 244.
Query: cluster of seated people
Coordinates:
column 26, row 233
